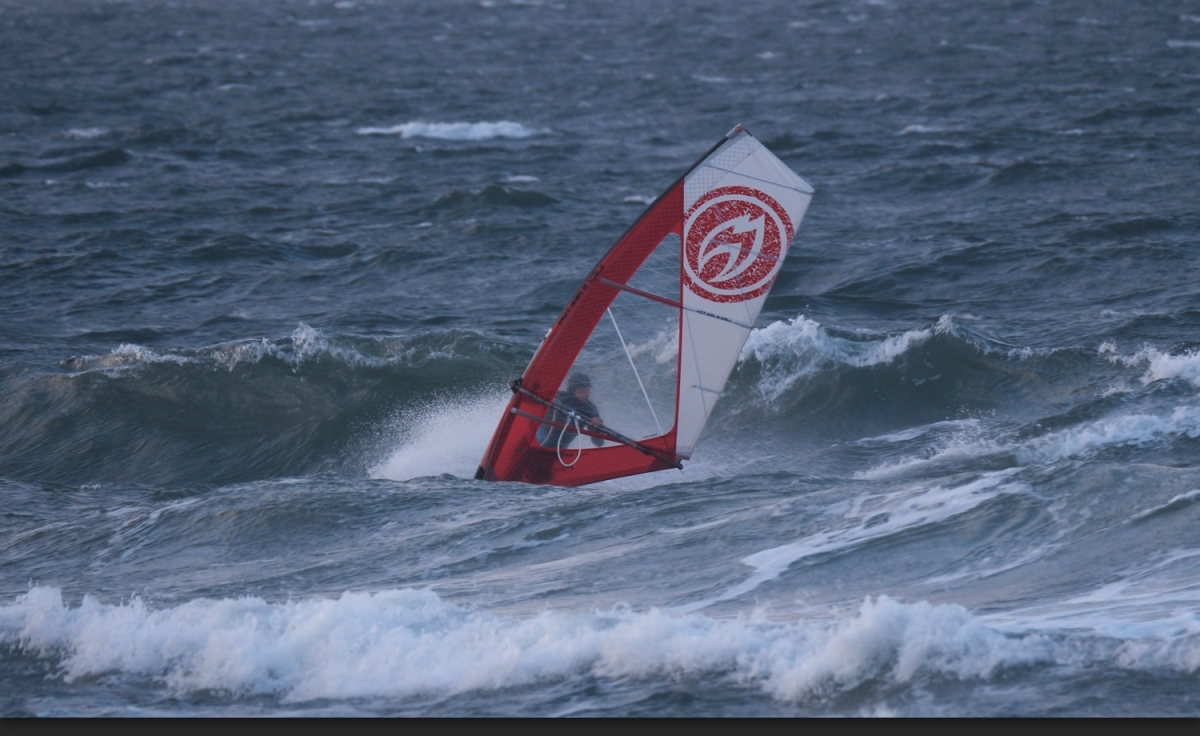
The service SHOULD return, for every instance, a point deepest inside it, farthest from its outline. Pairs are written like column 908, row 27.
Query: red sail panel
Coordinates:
column 515, row 452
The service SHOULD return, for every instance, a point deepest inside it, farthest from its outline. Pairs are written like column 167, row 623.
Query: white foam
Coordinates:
column 456, row 131
column 309, row 343
column 1160, row 366
column 1183, row 500
column 789, row 351
column 1084, row 440
column 920, row 129
column 306, row 344
column 127, row 355
column 1138, row 430
column 885, row 515
column 915, row 432
column 1175, row 43
column 1146, row 618
column 404, row 643
column 447, row 436
column 520, row 179
column 638, row 199
column 86, row 134
column 895, row 641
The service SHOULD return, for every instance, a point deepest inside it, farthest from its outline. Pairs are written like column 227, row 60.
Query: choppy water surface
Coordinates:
column 266, row 268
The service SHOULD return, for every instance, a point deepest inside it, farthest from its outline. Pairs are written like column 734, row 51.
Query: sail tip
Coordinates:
column 736, row 129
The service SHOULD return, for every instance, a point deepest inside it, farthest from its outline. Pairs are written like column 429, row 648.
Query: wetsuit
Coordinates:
column 547, row 435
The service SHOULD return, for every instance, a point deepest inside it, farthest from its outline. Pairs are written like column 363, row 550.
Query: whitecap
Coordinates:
column 85, row 134
column 792, row 350
column 1160, row 366
column 310, row 344
column 456, row 131
column 128, row 353
column 405, row 643
column 1136, row 430
column 1082, row 441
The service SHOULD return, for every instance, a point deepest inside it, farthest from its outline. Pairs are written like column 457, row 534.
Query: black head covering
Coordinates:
column 578, row 380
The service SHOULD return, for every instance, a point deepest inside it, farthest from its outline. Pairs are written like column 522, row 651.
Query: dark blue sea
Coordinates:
column 266, row 269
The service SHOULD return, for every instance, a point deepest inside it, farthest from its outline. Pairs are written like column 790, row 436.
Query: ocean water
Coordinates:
column 267, row 267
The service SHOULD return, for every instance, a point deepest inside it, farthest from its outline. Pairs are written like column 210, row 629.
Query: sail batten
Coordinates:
column 643, row 294
column 681, row 290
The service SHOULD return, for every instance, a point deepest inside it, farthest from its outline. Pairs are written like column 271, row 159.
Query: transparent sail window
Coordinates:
column 631, row 359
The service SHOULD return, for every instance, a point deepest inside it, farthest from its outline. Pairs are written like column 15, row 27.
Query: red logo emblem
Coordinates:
column 735, row 238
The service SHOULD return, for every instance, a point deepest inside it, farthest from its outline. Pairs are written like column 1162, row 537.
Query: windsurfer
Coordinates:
column 576, row 399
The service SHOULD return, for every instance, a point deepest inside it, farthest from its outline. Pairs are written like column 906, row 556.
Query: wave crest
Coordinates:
column 1160, row 366
column 306, row 345
column 790, row 351
column 411, row 643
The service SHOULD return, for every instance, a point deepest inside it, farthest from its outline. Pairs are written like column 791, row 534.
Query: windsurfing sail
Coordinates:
column 627, row 377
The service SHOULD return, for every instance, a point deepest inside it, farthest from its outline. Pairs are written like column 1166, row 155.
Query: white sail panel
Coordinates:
column 742, row 207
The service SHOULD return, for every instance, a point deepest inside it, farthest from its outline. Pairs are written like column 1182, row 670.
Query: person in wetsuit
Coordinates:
column 576, row 398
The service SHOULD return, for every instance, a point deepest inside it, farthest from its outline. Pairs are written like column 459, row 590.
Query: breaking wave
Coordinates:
column 410, row 643
column 406, row 643
column 1160, row 366
column 236, row 411
column 789, row 351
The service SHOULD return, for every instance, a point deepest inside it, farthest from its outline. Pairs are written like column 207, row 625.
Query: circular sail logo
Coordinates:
column 734, row 243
